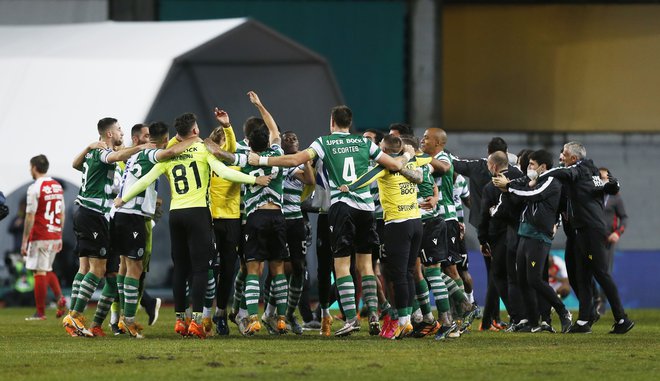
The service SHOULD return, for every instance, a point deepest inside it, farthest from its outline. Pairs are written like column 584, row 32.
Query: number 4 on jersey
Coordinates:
column 348, row 173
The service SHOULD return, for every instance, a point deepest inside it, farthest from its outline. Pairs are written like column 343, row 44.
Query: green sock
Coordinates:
column 415, row 305
column 75, row 288
column 346, row 290
column 438, row 288
column 422, row 296
column 279, row 289
column 251, row 294
column 239, row 284
column 131, row 286
column 210, row 290
column 105, row 301
column 402, row 311
column 296, row 282
column 120, row 289
column 369, row 293
column 87, row 287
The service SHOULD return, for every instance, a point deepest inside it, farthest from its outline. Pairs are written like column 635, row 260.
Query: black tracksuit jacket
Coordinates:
column 541, row 202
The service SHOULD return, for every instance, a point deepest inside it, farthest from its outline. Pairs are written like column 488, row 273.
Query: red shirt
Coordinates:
column 45, row 199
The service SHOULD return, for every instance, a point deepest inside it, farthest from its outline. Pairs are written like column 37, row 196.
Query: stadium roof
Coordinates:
column 57, row 81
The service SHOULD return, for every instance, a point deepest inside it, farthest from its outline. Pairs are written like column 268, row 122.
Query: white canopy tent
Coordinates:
column 57, row 81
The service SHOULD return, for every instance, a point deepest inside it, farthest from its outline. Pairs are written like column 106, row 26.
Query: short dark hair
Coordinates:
column 497, row 144
column 40, row 163
column 378, row 135
column 411, row 141
column 342, row 115
column 251, row 124
column 523, row 158
column 105, row 123
column 136, row 129
column 542, row 157
column 184, row 123
column 604, row 169
column 403, row 128
column 393, row 142
column 157, row 130
column 259, row 139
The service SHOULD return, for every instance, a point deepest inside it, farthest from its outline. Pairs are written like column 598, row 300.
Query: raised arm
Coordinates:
column 268, row 119
column 440, row 167
column 396, row 164
column 80, row 158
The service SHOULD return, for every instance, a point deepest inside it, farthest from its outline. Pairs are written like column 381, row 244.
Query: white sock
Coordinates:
column 428, row 318
column 189, row 312
column 241, row 313
column 207, row 312
column 270, row 309
column 325, row 312
column 114, row 317
column 470, row 297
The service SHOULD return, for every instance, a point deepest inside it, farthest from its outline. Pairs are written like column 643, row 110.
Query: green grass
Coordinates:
column 41, row 350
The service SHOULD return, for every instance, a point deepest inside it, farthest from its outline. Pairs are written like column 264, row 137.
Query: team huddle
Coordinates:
column 390, row 229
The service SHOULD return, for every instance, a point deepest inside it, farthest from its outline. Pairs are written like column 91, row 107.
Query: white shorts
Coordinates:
column 40, row 255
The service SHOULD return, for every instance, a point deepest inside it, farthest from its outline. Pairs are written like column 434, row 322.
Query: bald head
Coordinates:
column 434, row 141
column 498, row 161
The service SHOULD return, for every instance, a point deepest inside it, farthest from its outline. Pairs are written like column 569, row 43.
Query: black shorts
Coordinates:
column 265, row 236
column 351, row 230
column 378, row 251
column 129, row 235
column 463, row 265
column 191, row 239
column 453, row 242
column 434, row 242
column 92, row 233
column 296, row 239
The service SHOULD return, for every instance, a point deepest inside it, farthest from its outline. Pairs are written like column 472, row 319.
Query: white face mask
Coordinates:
column 532, row 174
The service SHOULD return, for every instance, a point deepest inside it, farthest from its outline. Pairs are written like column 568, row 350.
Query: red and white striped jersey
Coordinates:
column 45, row 199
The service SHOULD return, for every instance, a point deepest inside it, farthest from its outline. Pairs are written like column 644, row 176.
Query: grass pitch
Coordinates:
column 41, row 350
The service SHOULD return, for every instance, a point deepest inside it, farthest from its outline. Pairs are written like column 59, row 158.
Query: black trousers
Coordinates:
column 191, row 239
column 592, row 263
column 502, row 267
column 324, row 259
column 402, row 244
column 227, row 238
column 532, row 258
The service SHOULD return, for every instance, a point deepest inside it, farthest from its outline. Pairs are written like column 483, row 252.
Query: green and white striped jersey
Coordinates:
column 461, row 190
column 242, row 147
column 138, row 165
column 257, row 195
column 373, row 188
column 446, row 189
column 346, row 158
column 293, row 189
column 97, row 179
column 424, row 190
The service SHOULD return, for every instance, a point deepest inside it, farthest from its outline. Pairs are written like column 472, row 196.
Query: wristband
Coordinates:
column 263, row 161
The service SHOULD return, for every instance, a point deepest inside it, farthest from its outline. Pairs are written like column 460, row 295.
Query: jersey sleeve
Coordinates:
column 227, row 173
column 372, row 175
column 152, row 154
column 374, row 151
column 32, row 201
column 143, row 183
column 172, row 142
column 317, row 147
column 230, row 140
column 240, row 160
column 103, row 155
